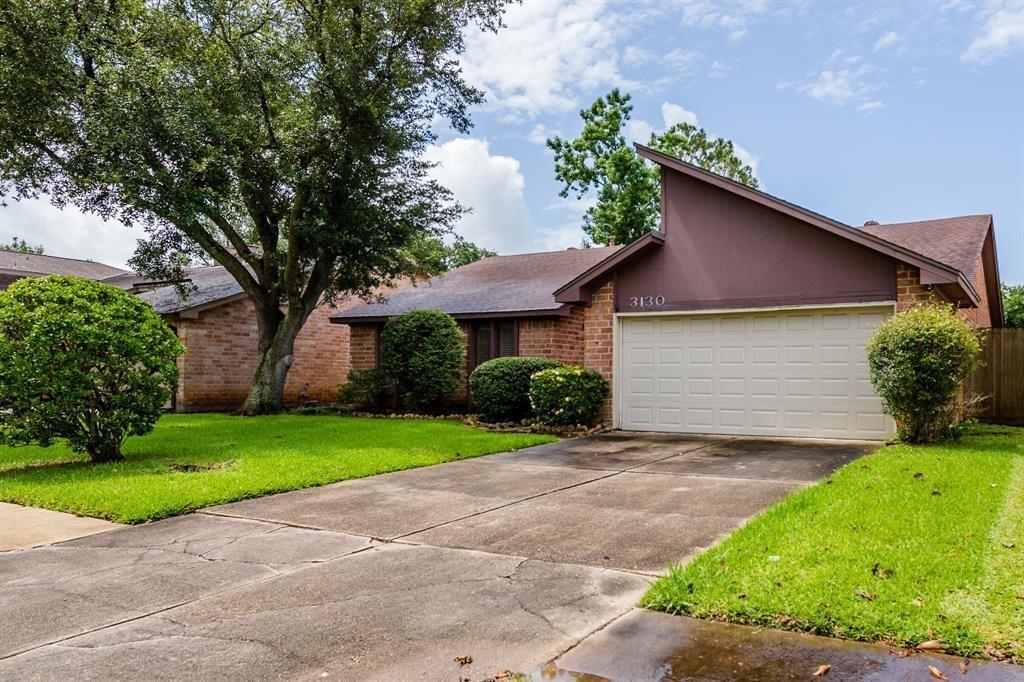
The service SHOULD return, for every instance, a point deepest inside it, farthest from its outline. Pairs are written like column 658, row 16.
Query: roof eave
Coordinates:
column 560, row 311
column 577, row 291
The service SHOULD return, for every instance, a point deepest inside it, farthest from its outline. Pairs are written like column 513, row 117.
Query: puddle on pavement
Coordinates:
column 653, row 646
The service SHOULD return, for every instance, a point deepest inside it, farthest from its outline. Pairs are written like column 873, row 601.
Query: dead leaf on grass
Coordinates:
column 1009, row 545
column 822, row 670
column 936, row 673
column 918, row 476
column 931, row 645
column 864, row 594
column 742, row 596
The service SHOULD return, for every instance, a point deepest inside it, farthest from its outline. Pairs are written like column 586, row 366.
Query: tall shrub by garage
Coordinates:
column 567, row 396
column 501, row 387
column 84, row 362
column 423, row 353
column 919, row 360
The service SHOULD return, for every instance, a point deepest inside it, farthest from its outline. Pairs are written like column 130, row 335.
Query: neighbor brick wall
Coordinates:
column 362, row 345
column 558, row 339
column 220, row 358
column 910, row 292
column 598, row 324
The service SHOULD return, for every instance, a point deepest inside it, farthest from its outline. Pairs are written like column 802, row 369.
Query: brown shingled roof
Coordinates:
column 956, row 242
column 34, row 265
column 523, row 283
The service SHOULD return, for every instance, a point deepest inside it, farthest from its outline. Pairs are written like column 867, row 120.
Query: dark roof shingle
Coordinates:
column 956, row 242
column 499, row 284
column 212, row 284
column 33, row 264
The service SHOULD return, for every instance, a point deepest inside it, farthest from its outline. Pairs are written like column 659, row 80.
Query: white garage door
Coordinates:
column 800, row 372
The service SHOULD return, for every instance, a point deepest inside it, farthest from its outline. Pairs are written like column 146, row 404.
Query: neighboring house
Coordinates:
column 745, row 314
column 15, row 265
column 217, row 325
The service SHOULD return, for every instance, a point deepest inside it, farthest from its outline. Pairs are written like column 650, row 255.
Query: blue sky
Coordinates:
column 883, row 111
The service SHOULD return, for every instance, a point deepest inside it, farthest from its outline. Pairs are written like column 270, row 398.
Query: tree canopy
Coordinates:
column 431, row 256
column 282, row 138
column 602, row 161
column 21, row 246
column 1013, row 305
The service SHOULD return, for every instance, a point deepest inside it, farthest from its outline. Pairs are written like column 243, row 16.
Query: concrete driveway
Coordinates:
column 509, row 560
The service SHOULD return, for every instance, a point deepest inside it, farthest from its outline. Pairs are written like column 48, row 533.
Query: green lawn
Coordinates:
column 249, row 457
column 903, row 546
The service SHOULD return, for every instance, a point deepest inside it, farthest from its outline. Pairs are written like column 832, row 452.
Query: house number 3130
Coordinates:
column 645, row 301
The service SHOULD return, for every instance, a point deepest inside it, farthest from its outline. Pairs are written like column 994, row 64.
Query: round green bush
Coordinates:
column 423, row 353
column 567, row 395
column 501, row 387
column 82, row 361
column 918, row 361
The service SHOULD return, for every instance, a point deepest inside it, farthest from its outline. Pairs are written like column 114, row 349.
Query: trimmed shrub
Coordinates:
column 364, row 389
column 424, row 354
column 82, row 361
column 501, row 387
column 919, row 360
column 565, row 396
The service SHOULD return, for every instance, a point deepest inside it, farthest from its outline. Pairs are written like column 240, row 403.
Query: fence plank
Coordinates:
column 1001, row 377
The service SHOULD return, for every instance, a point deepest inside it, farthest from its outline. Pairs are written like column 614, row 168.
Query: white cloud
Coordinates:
column 636, row 56
column 733, row 17
column 680, row 58
column 540, row 133
column 68, row 232
column 887, row 40
column 672, row 114
column 718, row 70
column 492, row 186
column 845, row 80
column 872, row 104
column 639, row 130
column 560, row 237
column 1003, row 30
column 547, row 53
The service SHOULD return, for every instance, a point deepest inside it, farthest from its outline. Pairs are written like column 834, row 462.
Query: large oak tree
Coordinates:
column 280, row 138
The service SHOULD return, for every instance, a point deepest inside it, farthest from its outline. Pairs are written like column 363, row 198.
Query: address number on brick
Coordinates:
column 645, row 301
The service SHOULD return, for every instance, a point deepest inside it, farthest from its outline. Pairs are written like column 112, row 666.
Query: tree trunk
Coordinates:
column 274, row 359
column 101, row 454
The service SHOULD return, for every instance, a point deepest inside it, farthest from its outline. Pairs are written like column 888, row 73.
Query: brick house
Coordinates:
column 217, row 325
column 744, row 314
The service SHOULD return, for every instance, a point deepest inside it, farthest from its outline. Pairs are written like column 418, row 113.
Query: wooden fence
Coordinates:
column 1001, row 378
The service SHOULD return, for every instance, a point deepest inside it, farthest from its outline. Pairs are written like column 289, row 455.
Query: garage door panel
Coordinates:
column 800, row 374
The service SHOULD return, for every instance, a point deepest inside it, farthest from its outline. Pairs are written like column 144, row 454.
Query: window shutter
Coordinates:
column 507, row 339
column 483, row 343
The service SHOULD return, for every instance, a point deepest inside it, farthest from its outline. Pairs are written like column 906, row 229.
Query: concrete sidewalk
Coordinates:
column 23, row 527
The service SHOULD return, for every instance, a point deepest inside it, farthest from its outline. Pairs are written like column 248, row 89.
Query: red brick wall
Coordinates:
column 598, row 324
column 910, row 292
column 362, row 345
column 980, row 316
column 220, row 358
column 558, row 339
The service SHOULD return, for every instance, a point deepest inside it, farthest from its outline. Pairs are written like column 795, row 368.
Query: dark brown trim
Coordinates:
column 561, row 311
column 932, row 271
column 577, row 291
column 377, row 329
